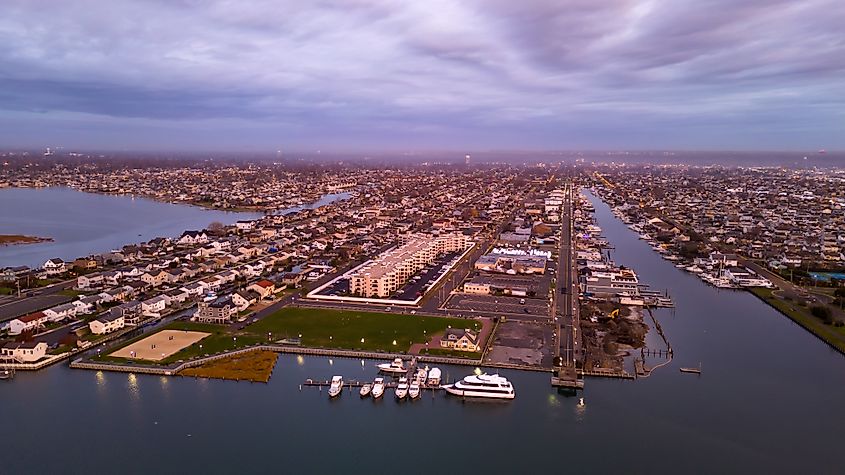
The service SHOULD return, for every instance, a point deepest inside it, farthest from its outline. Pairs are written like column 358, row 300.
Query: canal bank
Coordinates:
column 766, row 401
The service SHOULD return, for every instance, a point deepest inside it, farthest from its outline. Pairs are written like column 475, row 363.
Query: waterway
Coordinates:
column 769, row 400
column 86, row 223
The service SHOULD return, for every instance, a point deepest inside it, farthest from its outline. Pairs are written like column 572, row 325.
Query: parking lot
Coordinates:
column 414, row 287
column 493, row 305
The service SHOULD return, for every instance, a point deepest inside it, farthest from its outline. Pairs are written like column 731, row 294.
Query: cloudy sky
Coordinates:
column 416, row 75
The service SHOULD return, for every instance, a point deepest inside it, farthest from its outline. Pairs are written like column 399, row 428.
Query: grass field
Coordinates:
column 328, row 328
column 253, row 366
column 802, row 316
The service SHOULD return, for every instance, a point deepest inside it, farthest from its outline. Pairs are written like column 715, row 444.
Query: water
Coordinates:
column 84, row 223
column 769, row 399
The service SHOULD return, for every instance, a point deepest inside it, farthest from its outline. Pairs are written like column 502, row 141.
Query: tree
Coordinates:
column 823, row 313
column 216, row 227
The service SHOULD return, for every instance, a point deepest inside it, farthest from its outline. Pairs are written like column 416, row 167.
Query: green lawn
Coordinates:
column 328, row 328
column 802, row 316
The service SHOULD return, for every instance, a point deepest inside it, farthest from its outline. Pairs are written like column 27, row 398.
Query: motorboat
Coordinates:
column 396, row 366
column 482, row 386
column 422, row 375
column 378, row 388
column 366, row 389
column 402, row 388
column 414, row 389
column 434, row 377
column 336, row 386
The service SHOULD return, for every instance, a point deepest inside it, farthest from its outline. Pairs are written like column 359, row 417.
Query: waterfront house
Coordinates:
column 191, row 238
column 154, row 306
column 55, row 266
column 460, row 339
column 24, row 352
column 107, row 323
column 130, row 311
column 154, row 278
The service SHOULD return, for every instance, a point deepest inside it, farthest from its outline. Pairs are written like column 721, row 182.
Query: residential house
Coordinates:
column 24, row 352
column 107, row 323
column 55, row 266
column 90, row 281
column 244, row 298
column 264, row 288
column 61, row 312
column 218, row 312
column 461, row 340
column 27, row 323
column 131, row 312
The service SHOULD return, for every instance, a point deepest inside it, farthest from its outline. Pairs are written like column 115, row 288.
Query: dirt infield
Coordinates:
column 159, row 345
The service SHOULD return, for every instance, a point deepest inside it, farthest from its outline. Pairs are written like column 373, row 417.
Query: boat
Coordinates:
column 397, row 366
column 482, row 386
column 692, row 370
column 378, row 388
column 366, row 389
column 414, row 390
column 6, row 373
column 336, row 387
column 402, row 388
column 422, row 375
column 434, row 377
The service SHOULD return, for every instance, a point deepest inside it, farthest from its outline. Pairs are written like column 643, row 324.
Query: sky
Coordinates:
column 423, row 75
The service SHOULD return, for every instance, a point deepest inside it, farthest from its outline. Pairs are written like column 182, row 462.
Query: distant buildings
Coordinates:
column 384, row 275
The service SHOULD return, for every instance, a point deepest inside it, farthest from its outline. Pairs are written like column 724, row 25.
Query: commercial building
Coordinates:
column 384, row 275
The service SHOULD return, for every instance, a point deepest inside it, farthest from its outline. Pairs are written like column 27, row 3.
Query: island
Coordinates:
column 14, row 239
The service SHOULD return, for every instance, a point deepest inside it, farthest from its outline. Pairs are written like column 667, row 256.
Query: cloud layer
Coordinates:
column 373, row 74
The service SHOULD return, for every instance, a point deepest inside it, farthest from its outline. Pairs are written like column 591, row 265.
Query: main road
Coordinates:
column 566, row 289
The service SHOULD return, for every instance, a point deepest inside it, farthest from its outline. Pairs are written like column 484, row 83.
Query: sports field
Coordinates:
column 160, row 345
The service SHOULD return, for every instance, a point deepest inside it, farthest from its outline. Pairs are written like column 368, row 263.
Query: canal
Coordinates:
column 767, row 401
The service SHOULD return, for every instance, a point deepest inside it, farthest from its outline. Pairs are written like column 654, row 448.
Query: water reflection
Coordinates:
column 101, row 382
column 134, row 390
column 300, row 360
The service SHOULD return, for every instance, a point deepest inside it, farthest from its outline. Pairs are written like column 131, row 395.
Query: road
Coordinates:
column 566, row 289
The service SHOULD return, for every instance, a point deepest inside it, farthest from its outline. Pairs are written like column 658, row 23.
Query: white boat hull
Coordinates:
column 451, row 389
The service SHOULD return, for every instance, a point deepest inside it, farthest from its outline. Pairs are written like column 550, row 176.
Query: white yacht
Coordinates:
column 378, row 388
column 402, row 388
column 336, row 387
column 397, row 366
column 422, row 375
column 434, row 377
column 414, row 389
column 482, row 386
column 366, row 389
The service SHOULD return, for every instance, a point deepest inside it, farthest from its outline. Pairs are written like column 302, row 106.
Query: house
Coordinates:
column 292, row 279
column 27, row 323
column 82, row 307
column 194, row 289
column 264, row 288
column 107, row 323
column 189, row 238
column 11, row 274
column 61, row 312
column 218, row 312
column 90, row 281
column 130, row 311
column 154, row 278
column 112, row 277
column 85, row 263
column 177, row 296
column 55, row 266
column 24, row 352
column 461, row 340
column 244, row 298
column 154, row 306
